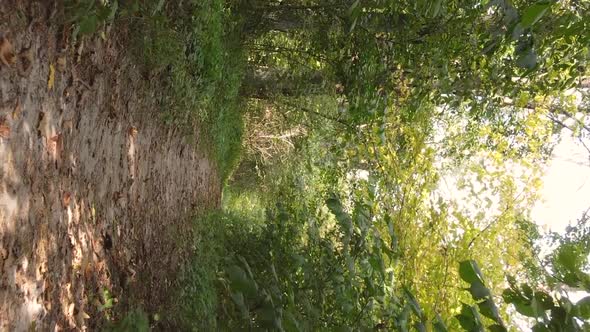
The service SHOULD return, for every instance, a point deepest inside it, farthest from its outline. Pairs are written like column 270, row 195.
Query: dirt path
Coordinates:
column 95, row 193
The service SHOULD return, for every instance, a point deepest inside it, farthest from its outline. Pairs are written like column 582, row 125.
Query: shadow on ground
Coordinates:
column 95, row 193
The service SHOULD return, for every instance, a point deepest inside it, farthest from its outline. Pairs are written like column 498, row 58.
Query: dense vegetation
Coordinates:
column 378, row 156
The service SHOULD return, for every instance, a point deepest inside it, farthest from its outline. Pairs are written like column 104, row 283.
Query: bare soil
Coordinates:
column 95, row 191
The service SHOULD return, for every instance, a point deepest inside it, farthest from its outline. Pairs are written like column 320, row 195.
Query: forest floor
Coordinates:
column 96, row 194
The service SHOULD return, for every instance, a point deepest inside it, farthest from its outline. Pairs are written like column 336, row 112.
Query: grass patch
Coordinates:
column 198, row 294
column 204, row 295
column 196, row 52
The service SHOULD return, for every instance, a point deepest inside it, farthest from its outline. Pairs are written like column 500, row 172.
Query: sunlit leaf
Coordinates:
column 534, row 13
column 469, row 272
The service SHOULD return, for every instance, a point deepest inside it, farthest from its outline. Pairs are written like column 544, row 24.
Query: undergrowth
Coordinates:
column 195, row 51
column 192, row 54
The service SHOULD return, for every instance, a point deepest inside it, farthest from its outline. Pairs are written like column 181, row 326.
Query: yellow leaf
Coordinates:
column 51, row 79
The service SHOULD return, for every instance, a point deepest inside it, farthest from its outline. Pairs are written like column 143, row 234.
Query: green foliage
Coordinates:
column 378, row 104
column 134, row 321
column 196, row 308
column 89, row 15
column 195, row 51
column 548, row 304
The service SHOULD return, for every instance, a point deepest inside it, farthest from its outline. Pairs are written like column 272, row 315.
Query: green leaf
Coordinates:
column 353, row 8
column 240, row 281
column 88, row 25
column 582, row 308
column 469, row 272
column 414, row 304
column 159, row 7
column 238, row 299
column 488, row 308
column 290, row 322
column 114, row 7
column 534, row 13
column 478, row 290
column 497, row 328
column 469, row 319
column 544, row 300
column 525, row 309
column 342, row 217
column 420, row 327
column 436, row 8
column 438, row 325
column 568, row 257
column 353, row 25
column 527, row 60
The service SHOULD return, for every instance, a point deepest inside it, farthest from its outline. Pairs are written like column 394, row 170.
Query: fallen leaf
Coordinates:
column 7, row 56
column 56, row 146
column 4, row 128
column 51, row 80
column 25, row 62
column 55, row 138
column 66, row 198
column 17, row 110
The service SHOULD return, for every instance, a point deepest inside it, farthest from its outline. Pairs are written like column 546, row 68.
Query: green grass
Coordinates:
column 197, row 299
column 196, row 51
column 203, row 295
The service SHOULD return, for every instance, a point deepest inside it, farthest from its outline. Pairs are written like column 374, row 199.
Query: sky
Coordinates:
column 566, row 191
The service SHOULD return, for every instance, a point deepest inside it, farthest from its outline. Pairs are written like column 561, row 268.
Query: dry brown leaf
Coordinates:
column 55, row 138
column 55, row 145
column 17, row 110
column 7, row 56
column 66, row 198
column 4, row 128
